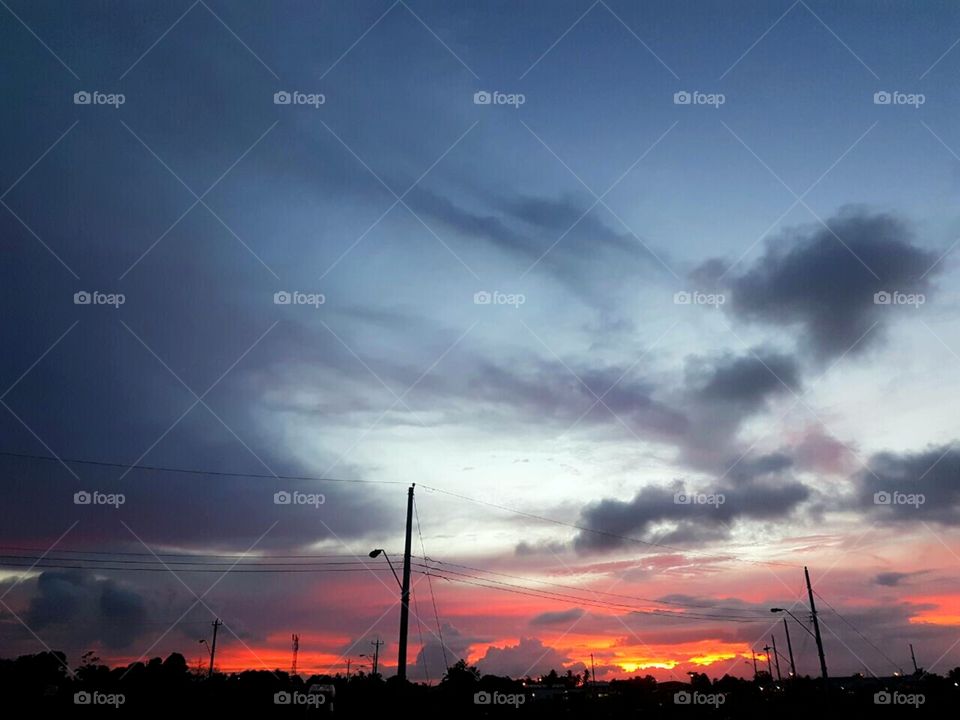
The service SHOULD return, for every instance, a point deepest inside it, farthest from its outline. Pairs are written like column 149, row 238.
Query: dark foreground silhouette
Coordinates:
column 44, row 683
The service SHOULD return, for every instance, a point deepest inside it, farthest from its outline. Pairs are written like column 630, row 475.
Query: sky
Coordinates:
column 653, row 303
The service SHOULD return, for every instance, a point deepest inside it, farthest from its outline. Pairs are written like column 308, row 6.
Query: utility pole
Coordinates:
column 776, row 657
column 348, row 668
column 752, row 652
column 916, row 670
column 296, row 651
column 816, row 627
column 213, row 647
column 376, row 653
column 405, row 592
column 766, row 650
column 793, row 668
column 593, row 671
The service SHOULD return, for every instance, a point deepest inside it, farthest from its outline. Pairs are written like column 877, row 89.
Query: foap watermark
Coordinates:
column 685, row 97
column 95, row 497
column 295, row 297
column 898, row 698
column 95, row 97
column 295, row 497
column 484, row 97
column 698, row 698
column 895, row 497
column 699, row 498
column 299, row 698
column 899, row 298
column 695, row 297
column 98, row 698
column 295, row 97
column 883, row 97
column 95, row 297
column 498, row 698
column 496, row 297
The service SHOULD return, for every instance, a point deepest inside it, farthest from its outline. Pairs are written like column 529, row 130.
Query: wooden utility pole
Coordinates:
column 405, row 593
column 793, row 668
column 376, row 653
column 776, row 657
column 213, row 646
column 816, row 627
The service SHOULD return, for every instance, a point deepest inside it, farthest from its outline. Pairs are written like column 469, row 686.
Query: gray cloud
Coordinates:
column 560, row 617
column 528, row 657
column 931, row 473
column 656, row 507
column 78, row 608
column 893, row 579
column 825, row 287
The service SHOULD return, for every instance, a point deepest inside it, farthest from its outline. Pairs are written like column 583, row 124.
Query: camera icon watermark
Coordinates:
column 95, row 497
column 697, row 498
column 695, row 297
column 695, row 97
column 896, row 297
column 498, row 698
column 295, row 97
column 295, row 497
column 898, row 698
column 95, row 297
column 895, row 497
column 95, row 97
column 98, row 698
column 484, row 97
column 299, row 698
column 483, row 297
column 698, row 698
column 895, row 97
column 295, row 297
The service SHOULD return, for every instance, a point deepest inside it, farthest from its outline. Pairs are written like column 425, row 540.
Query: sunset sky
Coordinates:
column 548, row 431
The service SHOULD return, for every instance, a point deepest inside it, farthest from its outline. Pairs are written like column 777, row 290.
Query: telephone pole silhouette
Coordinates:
column 766, row 650
column 376, row 653
column 213, row 647
column 816, row 627
column 296, row 650
column 776, row 657
column 916, row 670
column 405, row 592
column 793, row 668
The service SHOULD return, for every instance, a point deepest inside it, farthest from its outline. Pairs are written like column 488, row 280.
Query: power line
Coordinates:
column 303, row 478
column 676, row 603
column 436, row 614
column 193, row 471
column 608, row 606
column 852, row 627
column 550, row 595
column 162, row 554
column 47, row 566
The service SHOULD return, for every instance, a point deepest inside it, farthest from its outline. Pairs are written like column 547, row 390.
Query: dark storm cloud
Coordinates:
column 825, row 286
column 720, row 394
column 560, row 617
column 894, row 579
column 912, row 486
column 609, row 521
column 83, row 608
column 747, row 381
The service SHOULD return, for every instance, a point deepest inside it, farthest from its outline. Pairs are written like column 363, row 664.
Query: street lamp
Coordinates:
column 377, row 552
column 784, row 610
